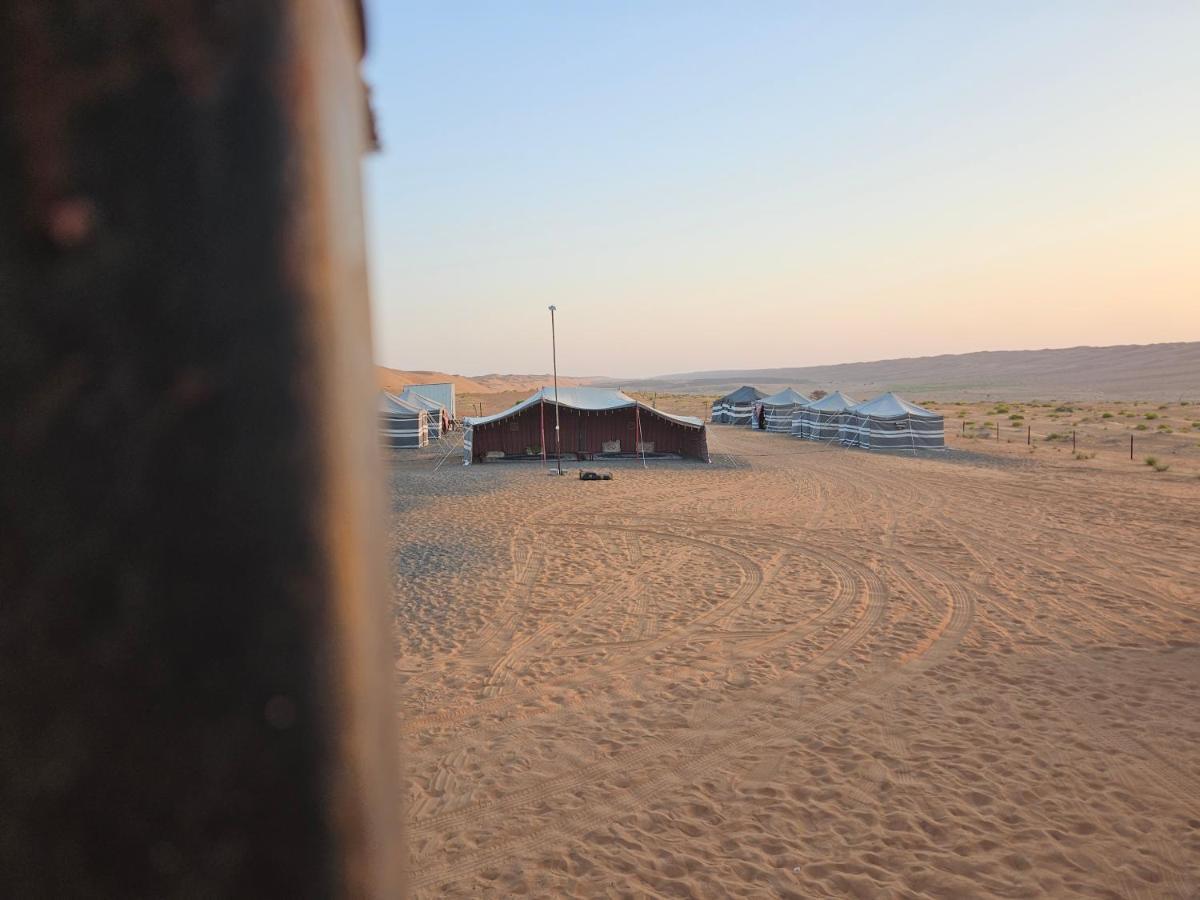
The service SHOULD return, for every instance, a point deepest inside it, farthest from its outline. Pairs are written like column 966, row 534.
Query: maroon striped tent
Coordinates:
column 594, row 422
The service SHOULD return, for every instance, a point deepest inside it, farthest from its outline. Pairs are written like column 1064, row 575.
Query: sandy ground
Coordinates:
column 800, row 671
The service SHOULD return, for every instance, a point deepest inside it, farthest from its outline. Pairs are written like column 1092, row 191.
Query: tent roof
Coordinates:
column 393, row 405
column 744, row 394
column 890, row 405
column 408, row 395
column 835, row 402
column 586, row 399
column 785, row 397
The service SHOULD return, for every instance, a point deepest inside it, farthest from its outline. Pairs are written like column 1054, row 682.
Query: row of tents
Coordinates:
column 409, row 420
column 886, row 422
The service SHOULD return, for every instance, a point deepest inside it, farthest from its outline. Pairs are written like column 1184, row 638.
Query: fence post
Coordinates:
column 1029, row 435
column 1072, row 440
column 1131, row 446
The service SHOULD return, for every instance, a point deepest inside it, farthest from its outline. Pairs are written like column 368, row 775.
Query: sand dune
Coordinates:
column 396, row 379
column 1135, row 371
column 801, row 671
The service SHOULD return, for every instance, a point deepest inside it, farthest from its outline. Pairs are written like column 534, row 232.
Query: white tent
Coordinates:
column 402, row 425
column 441, row 393
column 821, row 420
column 438, row 416
column 776, row 411
column 890, row 422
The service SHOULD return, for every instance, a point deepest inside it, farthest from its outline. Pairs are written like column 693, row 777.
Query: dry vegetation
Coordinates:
column 1170, row 432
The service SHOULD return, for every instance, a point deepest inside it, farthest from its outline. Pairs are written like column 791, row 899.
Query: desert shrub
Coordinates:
column 1017, row 424
column 1165, row 406
column 1196, row 424
column 1151, row 460
column 1151, row 416
column 1141, row 426
column 1185, row 402
column 1166, row 429
column 1161, row 467
column 818, row 394
column 1055, row 436
column 1015, row 416
column 1107, row 416
column 1079, row 454
column 1000, row 409
column 1064, row 409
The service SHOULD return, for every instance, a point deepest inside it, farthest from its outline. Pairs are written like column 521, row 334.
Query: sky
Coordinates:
column 715, row 185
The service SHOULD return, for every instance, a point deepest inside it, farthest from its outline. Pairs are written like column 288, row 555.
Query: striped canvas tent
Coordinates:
column 402, row 425
column 736, row 408
column 890, row 422
column 439, row 419
column 778, row 409
column 821, row 420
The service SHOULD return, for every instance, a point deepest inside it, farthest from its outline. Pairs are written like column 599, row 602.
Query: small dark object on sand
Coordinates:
column 588, row 475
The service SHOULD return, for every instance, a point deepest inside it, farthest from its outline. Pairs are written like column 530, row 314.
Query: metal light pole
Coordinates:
column 554, row 360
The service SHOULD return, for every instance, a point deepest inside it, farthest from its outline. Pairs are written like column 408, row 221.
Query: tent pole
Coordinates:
column 542, row 406
column 637, row 433
column 554, row 361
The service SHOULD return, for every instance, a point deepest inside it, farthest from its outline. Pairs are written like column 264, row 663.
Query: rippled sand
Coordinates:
column 799, row 671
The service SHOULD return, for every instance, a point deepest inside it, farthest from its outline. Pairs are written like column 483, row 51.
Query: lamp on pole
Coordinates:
column 554, row 362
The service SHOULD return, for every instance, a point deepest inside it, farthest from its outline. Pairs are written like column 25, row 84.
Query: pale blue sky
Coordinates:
column 716, row 185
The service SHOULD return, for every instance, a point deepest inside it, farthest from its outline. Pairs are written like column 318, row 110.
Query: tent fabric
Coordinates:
column 889, row 422
column 593, row 421
column 778, row 410
column 736, row 408
column 821, row 420
column 441, row 393
column 439, row 418
column 401, row 424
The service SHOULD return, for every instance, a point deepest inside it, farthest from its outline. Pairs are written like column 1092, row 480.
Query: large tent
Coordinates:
column 736, row 408
column 890, row 422
column 439, row 418
column 776, row 411
column 594, row 422
column 401, row 424
column 821, row 420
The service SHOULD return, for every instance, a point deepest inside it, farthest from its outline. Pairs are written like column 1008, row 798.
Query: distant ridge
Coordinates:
column 395, row 379
column 1130, row 371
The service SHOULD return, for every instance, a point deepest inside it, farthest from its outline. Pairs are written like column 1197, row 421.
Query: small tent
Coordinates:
column 776, row 411
column 439, row 418
column 593, row 422
column 821, row 420
column 890, row 422
column 441, row 393
column 736, row 408
column 402, row 425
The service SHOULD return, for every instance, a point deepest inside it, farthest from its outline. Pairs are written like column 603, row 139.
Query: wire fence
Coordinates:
column 1145, row 445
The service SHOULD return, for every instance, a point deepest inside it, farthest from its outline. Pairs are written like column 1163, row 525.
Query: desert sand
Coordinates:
column 800, row 671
